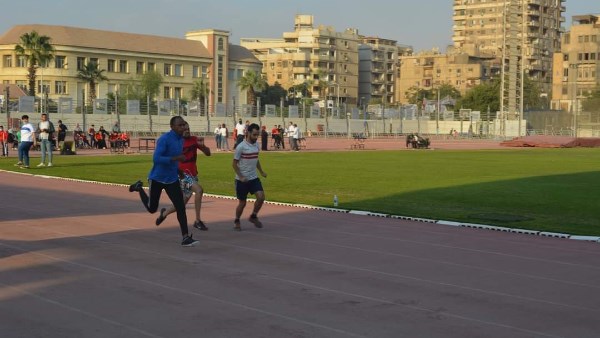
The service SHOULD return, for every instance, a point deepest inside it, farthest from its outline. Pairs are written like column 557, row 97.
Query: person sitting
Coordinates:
column 125, row 138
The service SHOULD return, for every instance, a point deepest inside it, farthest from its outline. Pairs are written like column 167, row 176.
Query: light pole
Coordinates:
column 575, row 68
column 362, row 104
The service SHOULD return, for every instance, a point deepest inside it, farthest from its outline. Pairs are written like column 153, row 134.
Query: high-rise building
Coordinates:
column 378, row 62
column 483, row 26
column 577, row 65
column 430, row 69
column 308, row 55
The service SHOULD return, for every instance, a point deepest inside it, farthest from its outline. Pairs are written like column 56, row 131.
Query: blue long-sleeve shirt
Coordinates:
column 164, row 169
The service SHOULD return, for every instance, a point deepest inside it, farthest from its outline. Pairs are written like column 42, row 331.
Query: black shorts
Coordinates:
column 242, row 189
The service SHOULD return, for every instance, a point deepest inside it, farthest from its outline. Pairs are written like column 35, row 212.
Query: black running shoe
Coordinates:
column 137, row 186
column 161, row 217
column 254, row 220
column 188, row 241
column 199, row 225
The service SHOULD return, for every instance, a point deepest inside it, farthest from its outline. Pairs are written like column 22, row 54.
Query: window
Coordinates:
column 195, row 71
column 204, row 71
column 111, row 66
column 221, row 44
column 94, row 61
column 123, row 66
column 178, row 70
column 272, row 65
column 177, row 92
column 167, row 92
column 139, row 67
column 586, row 38
column 46, row 88
column 167, row 69
column 7, row 61
column 60, row 87
column 60, row 62
column 21, row 61
column 594, row 38
column 80, row 63
column 21, row 84
column 151, row 66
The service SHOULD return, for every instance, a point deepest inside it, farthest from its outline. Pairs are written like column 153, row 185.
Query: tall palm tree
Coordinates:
column 199, row 90
column 37, row 50
column 252, row 82
column 92, row 75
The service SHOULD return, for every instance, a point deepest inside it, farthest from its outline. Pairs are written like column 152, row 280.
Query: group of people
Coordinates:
column 415, row 141
column 175, row 171
column 97, row 138
column 278, row 133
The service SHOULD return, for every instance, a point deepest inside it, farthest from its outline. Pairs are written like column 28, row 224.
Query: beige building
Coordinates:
column 479, row 28
column 204, row 54
column 577, row 66
column 378, row 68
column 428, row 70
column 299, row 56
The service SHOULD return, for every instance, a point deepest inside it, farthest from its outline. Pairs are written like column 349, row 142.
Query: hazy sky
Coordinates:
column 423, row 24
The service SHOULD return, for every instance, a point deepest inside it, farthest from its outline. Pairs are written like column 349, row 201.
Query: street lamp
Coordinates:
column 575, row 68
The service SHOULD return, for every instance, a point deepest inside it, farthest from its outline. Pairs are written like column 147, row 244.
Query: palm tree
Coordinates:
column 199, row 90
column 37, row 50
column 252, row 82
column 92, row 75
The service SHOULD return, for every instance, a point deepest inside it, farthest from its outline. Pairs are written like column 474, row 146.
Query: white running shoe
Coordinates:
column 49, row 164
column 41, row 164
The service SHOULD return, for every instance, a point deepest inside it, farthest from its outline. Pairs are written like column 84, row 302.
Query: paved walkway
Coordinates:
column 85, row 260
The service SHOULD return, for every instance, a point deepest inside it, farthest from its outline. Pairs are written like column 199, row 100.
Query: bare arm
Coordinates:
column 236, row 168
column 203, row 147
column 259, row 167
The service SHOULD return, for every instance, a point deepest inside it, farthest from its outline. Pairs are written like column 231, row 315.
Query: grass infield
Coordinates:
column 540, row 189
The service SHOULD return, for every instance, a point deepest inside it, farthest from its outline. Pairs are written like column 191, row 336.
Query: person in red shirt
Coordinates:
column 4, row 141
column 188, row 177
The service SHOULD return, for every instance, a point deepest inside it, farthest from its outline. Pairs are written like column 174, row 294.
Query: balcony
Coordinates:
column 301, row 70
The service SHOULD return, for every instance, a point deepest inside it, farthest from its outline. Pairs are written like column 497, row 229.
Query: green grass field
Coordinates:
column 542, row 189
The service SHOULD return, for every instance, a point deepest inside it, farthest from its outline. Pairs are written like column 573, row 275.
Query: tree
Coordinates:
column 487, row 95
column 200, row 90
column 38, row 51
column 591, row 103
column 415, row 94
column 272, row 94
column 92, row 75
column 150, row 83
column 252, row 82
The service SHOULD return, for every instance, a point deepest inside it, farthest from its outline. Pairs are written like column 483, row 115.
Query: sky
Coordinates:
column 422, row 24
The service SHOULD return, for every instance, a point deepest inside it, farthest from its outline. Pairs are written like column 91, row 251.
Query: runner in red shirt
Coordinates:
column 188, row 177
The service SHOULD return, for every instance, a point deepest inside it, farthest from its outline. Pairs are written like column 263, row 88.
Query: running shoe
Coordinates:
column 160, row 217
column 137, row 186
column 199, row 225
column 236, row 225
column 254, row 220
column 188, row 241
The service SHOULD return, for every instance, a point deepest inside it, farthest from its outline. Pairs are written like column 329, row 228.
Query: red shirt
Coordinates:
column 3, row 136
column 190, row 150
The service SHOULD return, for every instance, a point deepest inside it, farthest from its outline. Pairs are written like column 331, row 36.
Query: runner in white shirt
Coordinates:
column 245, row 164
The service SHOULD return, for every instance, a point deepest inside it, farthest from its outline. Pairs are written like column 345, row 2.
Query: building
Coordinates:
column 430, row 69
column 378, row 61
column 203, row 55
column 300, row 56
column 577, row 66
column 482, row 26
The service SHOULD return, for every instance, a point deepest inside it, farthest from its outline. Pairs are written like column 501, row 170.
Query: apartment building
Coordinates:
column 480, row 27
column 378, row 61
column 577, row 66
column 204, row 54
column 430, row 69
column 300, row 55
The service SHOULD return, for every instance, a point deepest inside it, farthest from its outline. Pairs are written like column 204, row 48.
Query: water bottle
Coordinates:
column 335, row 200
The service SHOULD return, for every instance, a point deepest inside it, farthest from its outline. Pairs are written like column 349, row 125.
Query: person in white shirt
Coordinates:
column 296, row 136
column 224, row 135
column 27, row 141
column 245, row 164
column 240, row 132
column 45, row 130
column 290, row 134
column 217, row 133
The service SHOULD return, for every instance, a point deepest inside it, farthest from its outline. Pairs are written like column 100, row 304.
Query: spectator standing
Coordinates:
column 103, row 135
column 296, row 136
column 26, row 140
column 281, row 134
column 92, row 135
column 116, row 128
column 164, row 176
column 4, row 141
column 240, row 130
column 264, row 138
column 218, row 137
column 45, row 130
column 62, row 134
column 245, row 163
column 290, row 135
column 224, row 135
column 188, row 177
